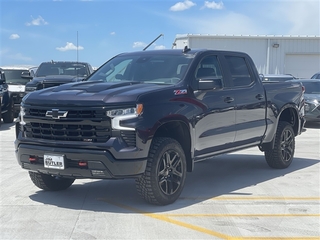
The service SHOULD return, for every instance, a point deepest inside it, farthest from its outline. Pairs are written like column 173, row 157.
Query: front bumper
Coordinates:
column 100, row 164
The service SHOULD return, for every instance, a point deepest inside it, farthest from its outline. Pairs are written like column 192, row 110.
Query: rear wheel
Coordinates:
column 282, row 153
column 165, row 174
column 50, row 183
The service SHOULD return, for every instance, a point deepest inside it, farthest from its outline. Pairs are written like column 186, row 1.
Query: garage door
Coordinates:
column 302, row 65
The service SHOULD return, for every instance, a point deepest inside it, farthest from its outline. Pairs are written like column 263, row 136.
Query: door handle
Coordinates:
column 259, row 97
column 228, row 99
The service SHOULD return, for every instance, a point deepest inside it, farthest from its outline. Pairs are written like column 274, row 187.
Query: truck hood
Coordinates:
column 92, row 93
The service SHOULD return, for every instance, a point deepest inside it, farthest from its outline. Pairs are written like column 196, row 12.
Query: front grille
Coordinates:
column 78, row 125
column 67, row 132
column 90, row 125
column 34, row 112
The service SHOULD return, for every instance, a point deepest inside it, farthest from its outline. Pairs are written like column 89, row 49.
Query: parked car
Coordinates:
column 312, row 99
column 276, row 77
column 316, row 76
column 51, row 74
column 16, row 78
column 151, row 115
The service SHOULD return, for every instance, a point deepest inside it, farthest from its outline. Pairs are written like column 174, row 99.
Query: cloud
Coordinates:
column 14, row 36
column 113, row 33
column 181, row 6
column 19, row 57
column 139, row 44
column 213, row 5
column 69, row 46
column 308, row 22
column 37, row 21
column 159, row 47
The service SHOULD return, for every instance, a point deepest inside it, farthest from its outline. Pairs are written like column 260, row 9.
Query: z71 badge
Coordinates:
column 180, row 92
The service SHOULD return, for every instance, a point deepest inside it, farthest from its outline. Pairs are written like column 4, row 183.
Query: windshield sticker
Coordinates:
column 180, row 92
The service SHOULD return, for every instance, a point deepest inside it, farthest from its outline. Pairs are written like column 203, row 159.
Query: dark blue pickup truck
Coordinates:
column 151, row 115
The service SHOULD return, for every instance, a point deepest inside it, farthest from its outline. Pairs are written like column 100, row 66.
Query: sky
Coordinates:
column 34, row 31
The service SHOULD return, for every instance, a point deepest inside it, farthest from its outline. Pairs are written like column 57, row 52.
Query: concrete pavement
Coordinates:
column 233, row 196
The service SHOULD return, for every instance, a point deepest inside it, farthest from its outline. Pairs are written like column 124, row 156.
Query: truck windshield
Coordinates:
column 62, row 68
column 14, row 77
column 159, row 69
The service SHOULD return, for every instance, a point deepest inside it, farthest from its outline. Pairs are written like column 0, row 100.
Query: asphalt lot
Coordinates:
column 233, row 196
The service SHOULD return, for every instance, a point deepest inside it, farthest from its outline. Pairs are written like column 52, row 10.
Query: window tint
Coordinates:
column 239, row 71
column 209, row 67
column 153, row 68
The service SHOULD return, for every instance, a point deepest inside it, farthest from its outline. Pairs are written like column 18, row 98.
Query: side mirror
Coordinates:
column 209, row 84
column 26, row 75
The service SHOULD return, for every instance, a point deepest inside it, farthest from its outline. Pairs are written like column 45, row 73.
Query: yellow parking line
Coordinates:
column 241, row 215
column 256, row 198
column 165, row 218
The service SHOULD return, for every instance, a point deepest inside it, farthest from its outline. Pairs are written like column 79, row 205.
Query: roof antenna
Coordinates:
column 153, row 41
column 186, row 49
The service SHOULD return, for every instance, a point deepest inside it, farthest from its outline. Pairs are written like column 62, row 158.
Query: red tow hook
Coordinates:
column 33, row 159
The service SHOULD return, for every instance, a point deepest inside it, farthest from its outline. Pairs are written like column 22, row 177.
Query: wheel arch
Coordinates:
column 179, row 131
column 289, row 114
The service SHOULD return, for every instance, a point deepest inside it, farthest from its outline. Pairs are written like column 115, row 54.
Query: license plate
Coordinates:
column 53, row 161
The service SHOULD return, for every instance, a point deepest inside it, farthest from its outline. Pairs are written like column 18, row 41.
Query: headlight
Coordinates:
column 117, row 115
column 134, row 111
column 31, row 89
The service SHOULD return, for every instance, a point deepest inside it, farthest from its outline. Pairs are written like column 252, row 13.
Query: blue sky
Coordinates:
column 33, row 31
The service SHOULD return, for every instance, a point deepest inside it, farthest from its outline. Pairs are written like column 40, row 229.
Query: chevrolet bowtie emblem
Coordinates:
column 56, row 114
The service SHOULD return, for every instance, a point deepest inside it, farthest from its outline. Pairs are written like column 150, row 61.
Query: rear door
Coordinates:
column 250, row 101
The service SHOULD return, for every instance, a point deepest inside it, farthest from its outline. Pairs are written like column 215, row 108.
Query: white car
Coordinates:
column 17, row 76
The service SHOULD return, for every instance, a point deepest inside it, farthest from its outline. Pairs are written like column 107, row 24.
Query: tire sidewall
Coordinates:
column 167, row 145
column 286, row 127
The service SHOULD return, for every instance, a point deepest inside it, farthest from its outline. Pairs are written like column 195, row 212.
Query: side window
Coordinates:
column 239, row 71
column 209, row 68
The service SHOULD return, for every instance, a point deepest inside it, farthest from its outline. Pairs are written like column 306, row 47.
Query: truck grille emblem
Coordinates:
column 56, row 114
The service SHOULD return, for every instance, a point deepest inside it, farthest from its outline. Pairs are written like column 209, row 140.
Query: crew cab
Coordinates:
column 55, row 73
column 151, row 115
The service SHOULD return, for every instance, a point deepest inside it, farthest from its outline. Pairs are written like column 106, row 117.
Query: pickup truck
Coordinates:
column 6, row 101
column 151, row 115
column 17, row 76
column 55, row 73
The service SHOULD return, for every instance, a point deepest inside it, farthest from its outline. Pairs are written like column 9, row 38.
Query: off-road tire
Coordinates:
column 50, row 183
column 8, row 116
column 165, row 173
column 282, row 153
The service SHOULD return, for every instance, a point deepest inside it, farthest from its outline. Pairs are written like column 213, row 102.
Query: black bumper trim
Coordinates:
column 99, row 161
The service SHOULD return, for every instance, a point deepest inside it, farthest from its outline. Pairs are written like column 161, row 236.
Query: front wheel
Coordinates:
column 282, row 153
column 50, row 183
column 165, row 174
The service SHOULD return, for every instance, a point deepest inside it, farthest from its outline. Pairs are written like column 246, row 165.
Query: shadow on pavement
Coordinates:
column 221, row 175
column 6, row 126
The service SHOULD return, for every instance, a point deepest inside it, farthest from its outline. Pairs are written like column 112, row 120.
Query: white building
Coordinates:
column 296, row 55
